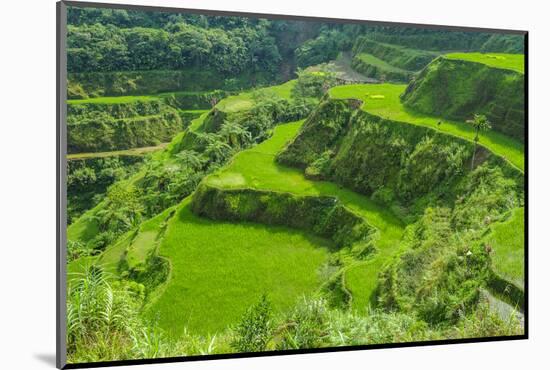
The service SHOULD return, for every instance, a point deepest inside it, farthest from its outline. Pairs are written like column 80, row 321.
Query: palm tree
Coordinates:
column 479, row 123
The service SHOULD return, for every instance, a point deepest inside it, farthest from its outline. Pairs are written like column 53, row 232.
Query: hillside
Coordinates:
column 459, row 86
column 239, row 185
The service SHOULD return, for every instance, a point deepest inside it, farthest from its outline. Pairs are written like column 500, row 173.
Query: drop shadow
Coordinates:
column 46, row 358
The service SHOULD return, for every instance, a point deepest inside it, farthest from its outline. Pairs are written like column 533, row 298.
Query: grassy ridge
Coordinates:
column 459, row 88
column 513, row 62
column 128, row 152
column 383, row 100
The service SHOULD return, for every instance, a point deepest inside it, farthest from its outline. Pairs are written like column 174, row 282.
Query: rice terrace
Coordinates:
column 240, row 184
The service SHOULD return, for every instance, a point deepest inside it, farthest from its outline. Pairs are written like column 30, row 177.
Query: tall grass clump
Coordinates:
column 255, row 329
column 103, row 320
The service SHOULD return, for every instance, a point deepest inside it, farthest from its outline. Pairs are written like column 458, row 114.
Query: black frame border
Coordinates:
column 61, row 191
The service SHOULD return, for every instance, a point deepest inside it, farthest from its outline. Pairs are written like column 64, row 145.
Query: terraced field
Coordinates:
column 244, row 101
column 383, row 100
column 218, row 269
column 513, row 62
column 222, row 214
column 256, row 168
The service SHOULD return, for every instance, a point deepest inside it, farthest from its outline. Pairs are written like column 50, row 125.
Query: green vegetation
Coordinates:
column 390, row 107
column 506, row 243
column 400, row 57
column 513, row 62
column 257, row 169
column 89, row 177
column 222, row 261
column 371, row 66
column 438, row 40
column 134, row 152
column 215, row 208
column 457, row 89
column 113, row 100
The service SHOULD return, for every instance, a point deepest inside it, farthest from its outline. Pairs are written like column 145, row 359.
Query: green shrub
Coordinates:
column 439, row 276
column 255, row 329
column 313, row 84
column 88, row 180
column 306, row 326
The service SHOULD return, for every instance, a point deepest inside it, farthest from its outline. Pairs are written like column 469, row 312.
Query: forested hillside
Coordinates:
column 241, row 184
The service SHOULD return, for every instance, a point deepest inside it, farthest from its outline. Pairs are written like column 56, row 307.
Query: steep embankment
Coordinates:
column 398, row 56
column 125, row 122
column 461, row 85
column 388, row 62
column 382, row 100
column 412, row 169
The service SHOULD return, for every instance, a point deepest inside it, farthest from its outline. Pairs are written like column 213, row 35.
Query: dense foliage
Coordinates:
column 103, row 324
column 407, row 59
column 88, row 180
column 441, row 40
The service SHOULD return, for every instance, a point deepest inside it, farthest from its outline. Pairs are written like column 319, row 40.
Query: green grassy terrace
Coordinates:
column 114, row 99
column 379, row 63
column 230, row 104
column 256, row 168
column 383, row 100
column 218, row 269
column 244, row 101
column 513, row 62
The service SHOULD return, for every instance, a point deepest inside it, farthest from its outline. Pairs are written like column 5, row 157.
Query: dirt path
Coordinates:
column 127, row 152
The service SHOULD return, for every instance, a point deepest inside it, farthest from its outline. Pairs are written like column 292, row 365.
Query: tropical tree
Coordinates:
column 479, row 123
column 235, row 134
column 218, row 151
column 190, row 159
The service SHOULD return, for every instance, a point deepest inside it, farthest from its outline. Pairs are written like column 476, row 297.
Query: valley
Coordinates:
column 360, row 202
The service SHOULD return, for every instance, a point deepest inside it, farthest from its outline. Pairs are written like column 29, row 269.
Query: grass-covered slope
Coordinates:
column 373, row 67
column 506, row 243
column 383, row 100
column 513, row 62
column 463, row 85
column 395, row 55
column 110, row 124
column 172, row 173
column 258, row 169
column 218, row 269
column 424, row 176
column 115, row 123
